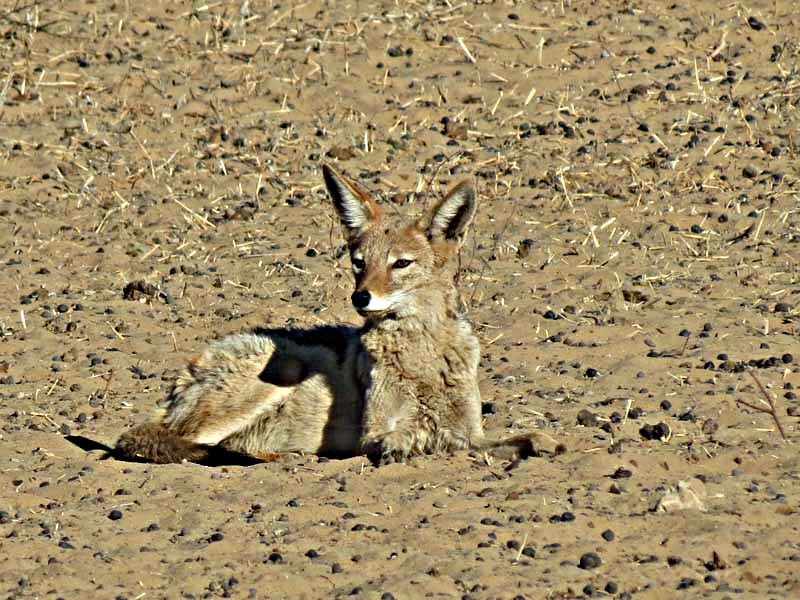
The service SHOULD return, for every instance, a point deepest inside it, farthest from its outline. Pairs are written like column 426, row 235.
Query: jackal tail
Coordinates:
column 153, row 442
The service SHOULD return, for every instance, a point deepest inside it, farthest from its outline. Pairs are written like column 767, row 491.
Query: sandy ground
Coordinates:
column 634, row 260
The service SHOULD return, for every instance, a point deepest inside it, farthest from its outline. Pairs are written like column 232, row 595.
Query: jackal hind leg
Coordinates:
column 229, row 388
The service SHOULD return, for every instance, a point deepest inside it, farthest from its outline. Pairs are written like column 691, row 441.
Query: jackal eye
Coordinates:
column 358, row 264
column 401, row 263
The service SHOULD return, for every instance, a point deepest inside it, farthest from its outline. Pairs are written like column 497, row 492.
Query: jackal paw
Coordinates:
column 388, row 449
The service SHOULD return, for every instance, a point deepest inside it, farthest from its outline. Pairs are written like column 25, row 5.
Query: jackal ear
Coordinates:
column 450, row 218
column 356, row 207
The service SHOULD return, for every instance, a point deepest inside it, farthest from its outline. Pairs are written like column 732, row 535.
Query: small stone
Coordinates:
column 608, row 535
column 589, row 561
column 115, row 515
column 654, row 432
column 524, row 248
column 686, row 496
column 636, row 412
column 216, row 537
column 749, row 172
column 587, row 418
column 592, row 373
column 782, row 307
column 686, row 583
column 755, row 23
column 622, row 473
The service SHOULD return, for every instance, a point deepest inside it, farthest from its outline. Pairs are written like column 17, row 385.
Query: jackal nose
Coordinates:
column 360, row 298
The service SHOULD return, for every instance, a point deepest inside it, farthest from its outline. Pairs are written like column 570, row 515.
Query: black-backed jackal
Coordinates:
column 405, row 383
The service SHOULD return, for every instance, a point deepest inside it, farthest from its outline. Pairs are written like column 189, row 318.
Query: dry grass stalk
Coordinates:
column 768, row 408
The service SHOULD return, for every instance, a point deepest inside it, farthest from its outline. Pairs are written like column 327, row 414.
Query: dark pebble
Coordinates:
column 589, row 590
column 336, row 568
column 216, row 537
column 564, row 517
column 395, row 51
column 524, row 248
column 749, row 173
column 275, row 558
column 608, row 535
column 666, row 404
column 590, row 560
column 591, row 373
column 755, row 23
column 611, row 588
column 115, row 515
column 636, row 412
column 655, row 432
column 622, row 473
column 65, row 544
column 587, row 418
column 782, row 307
column 787, row 358
column 686, row 583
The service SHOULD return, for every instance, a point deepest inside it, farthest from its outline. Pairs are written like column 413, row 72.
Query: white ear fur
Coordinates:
column 356, row 208
column 451, row 217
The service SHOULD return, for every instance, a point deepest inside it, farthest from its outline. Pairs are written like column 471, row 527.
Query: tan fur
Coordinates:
column 406, row 383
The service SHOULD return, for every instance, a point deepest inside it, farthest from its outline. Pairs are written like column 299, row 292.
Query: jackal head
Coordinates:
column 400, row 267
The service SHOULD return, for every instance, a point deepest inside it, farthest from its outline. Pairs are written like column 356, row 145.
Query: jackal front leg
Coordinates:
column 391, row 431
